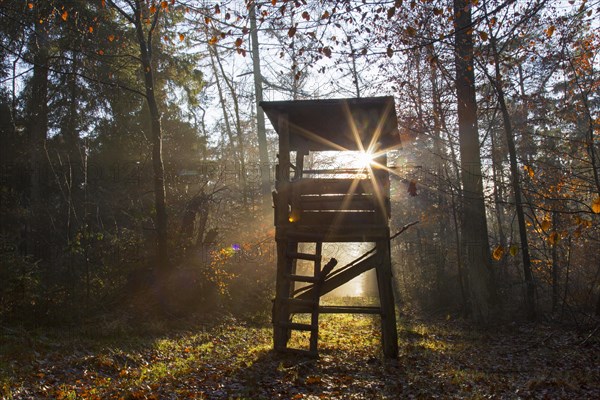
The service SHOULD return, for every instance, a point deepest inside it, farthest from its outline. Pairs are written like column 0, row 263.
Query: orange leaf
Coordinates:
column 65, row 16
column 596, row 205
column 498, row 252
column 273, row 2
column 91, row 29
column 101, row 52
column 483, row 35
column 164, row 5
column 553, row 238
column 152, row 9
column 111, row 38
column 30, row 5
column 238, row 42
column 550, row 30
column 103, row 2
column 181, row 37
column 213, row 40
column 325, row 15
column 529, row 170
column 545, row 225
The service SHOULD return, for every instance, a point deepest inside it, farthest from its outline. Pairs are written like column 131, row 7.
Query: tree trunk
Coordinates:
column 38, row 131
column 160, row 203
column 514, row 170
column 238, row 127
column 263, row 153
column 474, row 224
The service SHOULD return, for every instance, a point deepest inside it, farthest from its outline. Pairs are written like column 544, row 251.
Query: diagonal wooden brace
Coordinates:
column 336, row 280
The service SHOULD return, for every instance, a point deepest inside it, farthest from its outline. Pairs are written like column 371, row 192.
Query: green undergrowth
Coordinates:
column 231, row 359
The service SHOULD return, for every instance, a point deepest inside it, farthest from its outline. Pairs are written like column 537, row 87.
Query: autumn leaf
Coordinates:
column 306, row 15
column 101, row 52
column 238, row 42
column 390, row 52
column 292, row 31
column 152, row 9
column 412, row 188
column 483, row 36
column 91, row 29
column 514, row 250
column 529, row 170
column 325, row 15
column 65, row 16
column 553, row 238
column 273, row 2
column 213, row 40
column 437, row 11
column 550, row 30
column 103, row 2
column 111, row 38
column 164, row 5
column 30, row 5
column 181, row 37
column 217, row 9
column 327, row 51
column 545, row 225
column 411, row 31
column 596, row 205
column 390, row 12
column 207, row 20
column 498, row 252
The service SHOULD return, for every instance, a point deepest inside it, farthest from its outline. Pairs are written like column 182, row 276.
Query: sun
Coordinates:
column 364, row 159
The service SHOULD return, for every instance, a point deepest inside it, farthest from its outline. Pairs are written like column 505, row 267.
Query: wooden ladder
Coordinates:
column 292, row 303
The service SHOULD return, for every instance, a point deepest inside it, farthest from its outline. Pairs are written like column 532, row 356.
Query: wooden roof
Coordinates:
column 337, row 124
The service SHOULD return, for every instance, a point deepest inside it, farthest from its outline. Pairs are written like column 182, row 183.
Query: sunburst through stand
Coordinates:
column 317, row 206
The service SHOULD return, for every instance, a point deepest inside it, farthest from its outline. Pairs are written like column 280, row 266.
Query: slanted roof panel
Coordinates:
column 337, row 124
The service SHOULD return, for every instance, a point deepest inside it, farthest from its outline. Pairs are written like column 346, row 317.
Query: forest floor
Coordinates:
column 441, row 358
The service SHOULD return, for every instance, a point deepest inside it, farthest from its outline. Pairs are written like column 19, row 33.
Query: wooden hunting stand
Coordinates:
column 331, row 208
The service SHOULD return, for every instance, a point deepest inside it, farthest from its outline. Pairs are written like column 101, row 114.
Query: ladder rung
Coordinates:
column 304, row 256
column 298, row 327
column 350, row 310
column 303, row 278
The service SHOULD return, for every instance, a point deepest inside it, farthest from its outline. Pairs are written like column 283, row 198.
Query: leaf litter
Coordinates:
column 233, row 360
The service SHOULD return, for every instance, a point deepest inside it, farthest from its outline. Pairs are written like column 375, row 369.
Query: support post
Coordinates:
column 389, row 335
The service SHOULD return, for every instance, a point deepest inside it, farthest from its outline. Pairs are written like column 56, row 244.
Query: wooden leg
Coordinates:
column 283, row 289
column 386, row 298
